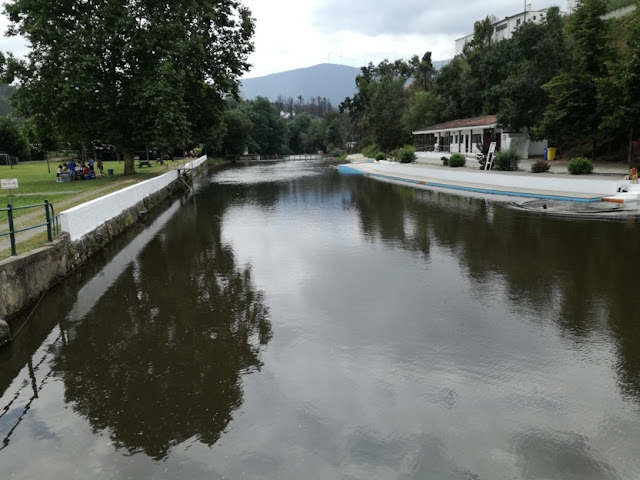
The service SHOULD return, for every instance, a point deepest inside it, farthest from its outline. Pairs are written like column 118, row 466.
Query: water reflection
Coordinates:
column 579, row 274
column 168, row 367
column 415, row 335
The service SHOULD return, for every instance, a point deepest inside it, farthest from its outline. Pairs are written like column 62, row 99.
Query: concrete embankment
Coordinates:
column 510, row 184
column 87, row 228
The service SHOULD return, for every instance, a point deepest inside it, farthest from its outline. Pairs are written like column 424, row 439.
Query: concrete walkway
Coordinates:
column 556, row 186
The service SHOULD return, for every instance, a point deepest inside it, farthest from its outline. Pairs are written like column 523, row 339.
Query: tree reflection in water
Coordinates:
column 160, row 359
column 581, row 273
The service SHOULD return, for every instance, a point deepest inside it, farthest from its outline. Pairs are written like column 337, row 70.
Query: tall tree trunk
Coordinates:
column 129, row 166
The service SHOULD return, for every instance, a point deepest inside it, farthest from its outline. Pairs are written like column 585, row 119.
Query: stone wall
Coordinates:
column 23, row 279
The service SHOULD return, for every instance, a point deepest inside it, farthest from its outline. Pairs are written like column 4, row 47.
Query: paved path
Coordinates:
column 556, row 191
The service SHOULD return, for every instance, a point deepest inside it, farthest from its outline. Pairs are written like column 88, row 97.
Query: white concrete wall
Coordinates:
column 538, row 148
column 564, row 183
column 516, row 141
column 461, row 42
column 83, row 219
column 196, row 163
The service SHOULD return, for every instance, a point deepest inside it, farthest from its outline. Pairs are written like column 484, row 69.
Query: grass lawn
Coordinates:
column 36, row 184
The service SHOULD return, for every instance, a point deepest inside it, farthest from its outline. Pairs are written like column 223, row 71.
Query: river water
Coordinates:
column 287, row 322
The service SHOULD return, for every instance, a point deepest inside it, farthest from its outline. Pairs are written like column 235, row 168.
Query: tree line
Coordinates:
column 316, row 106
column 573, row 80
column 257, row 127
column 134, row 74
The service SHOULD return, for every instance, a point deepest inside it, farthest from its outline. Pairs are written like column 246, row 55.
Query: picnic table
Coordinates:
column 144, row 163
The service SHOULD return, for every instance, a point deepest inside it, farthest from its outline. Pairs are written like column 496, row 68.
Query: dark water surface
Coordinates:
column 290, row 323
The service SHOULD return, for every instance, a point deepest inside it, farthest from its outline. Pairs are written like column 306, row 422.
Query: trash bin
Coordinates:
column 110, row 172
column 550, row 154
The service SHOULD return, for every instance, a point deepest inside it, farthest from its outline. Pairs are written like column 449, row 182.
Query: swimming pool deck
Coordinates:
column 562, row 187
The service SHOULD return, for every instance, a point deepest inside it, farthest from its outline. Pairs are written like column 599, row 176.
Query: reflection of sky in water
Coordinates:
column 264, row 173
column 385, row 363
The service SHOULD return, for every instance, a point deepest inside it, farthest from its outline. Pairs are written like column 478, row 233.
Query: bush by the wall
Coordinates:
column 445, row 161
column 580, row 166
column 336, row 152
column 380, row 156
column 370, row 150
column 507, row 159
column 406, row 154
column 457, row 160
column 540, row 166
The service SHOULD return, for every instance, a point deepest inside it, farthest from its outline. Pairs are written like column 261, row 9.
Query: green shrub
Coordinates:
column 457, row 160
column 445, row 161
column 580, row 166
column 336, row 152
column 406, row 154
column 380, row 156
column 540, row 166
column 507, row 159
column 370, row 150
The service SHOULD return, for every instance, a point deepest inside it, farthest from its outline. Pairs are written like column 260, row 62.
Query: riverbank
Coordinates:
column 88, row 229
column 37, row 184
column 553, row 193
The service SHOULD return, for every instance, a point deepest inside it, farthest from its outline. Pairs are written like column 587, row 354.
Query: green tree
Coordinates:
column 380, row 101
column 41, row 133
column 424, row 72
column 575, row 110
column 298, row 126
column 269, row 133
column 12, row 141
column 424, row 109
column 238, row 132
column 533, row 57
column 315, row 137
column 452, row 84
column 334, row 131
column 134, row 73
column 620, row 90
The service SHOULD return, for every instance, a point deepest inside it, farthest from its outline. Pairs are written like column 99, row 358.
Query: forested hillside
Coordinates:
column 5, row 105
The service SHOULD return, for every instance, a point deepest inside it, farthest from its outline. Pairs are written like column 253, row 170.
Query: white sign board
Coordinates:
column 9, row 183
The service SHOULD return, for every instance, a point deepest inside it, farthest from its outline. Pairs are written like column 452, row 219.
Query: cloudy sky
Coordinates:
column 293, row 33
column 299, row 33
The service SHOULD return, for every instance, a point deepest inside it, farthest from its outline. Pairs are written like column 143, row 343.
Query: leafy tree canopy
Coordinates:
column 12, row 141
column 134, row 73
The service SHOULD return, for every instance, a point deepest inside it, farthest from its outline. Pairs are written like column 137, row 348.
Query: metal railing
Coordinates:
column 51, row 222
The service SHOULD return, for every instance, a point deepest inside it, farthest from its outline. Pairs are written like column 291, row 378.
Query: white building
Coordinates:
column 468, row 135
column 503, row 29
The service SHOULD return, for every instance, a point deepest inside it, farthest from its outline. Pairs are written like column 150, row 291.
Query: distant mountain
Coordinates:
column 335, row 82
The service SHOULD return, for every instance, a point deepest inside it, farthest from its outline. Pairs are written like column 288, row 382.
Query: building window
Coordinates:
column 534, row 17
column 499, row 28
column 517, row 22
